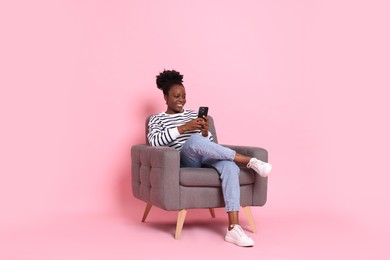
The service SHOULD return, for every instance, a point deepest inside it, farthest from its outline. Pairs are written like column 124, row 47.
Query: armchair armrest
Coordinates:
column 155, row 175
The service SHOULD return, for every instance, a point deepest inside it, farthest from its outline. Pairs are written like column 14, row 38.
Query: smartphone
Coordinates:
column 203, row 111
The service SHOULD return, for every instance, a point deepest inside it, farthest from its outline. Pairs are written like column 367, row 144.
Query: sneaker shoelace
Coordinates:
column 253, row 164
column 240, row 232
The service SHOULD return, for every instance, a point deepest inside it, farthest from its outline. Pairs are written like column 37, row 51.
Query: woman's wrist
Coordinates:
column 182, row 129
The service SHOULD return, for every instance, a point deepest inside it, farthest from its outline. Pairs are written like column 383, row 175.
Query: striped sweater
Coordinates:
column 163, row 131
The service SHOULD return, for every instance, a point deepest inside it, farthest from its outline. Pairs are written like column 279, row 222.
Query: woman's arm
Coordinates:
column 160, row 136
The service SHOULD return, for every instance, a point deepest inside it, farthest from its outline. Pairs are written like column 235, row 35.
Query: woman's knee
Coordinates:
column 230, row 169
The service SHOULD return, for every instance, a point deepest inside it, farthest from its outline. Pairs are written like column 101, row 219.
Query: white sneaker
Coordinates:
column 262, row 168
column 237, row 236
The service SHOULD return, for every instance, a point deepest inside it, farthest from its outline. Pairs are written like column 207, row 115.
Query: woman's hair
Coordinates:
column 166, row 79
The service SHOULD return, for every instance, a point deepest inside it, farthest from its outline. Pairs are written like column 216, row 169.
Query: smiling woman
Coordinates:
column 183, row 130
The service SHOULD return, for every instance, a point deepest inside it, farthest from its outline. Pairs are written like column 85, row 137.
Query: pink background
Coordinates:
column 308, row 80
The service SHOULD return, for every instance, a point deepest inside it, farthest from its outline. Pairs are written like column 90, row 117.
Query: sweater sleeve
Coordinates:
column 160, row 136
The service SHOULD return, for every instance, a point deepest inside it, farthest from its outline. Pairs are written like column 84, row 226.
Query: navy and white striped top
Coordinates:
column 163, row 131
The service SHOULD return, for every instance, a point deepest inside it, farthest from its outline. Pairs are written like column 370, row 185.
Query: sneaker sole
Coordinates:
column 238, row 243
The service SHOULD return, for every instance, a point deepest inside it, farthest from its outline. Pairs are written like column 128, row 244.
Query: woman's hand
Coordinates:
column 196, row 124
column 205, row 127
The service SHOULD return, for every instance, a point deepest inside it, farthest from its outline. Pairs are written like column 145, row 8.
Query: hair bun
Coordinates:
column 168, row 78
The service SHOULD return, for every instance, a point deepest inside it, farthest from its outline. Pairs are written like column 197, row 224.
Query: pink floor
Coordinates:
column 281, row 235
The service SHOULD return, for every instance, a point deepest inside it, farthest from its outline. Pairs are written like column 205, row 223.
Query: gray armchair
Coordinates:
column 158, row 180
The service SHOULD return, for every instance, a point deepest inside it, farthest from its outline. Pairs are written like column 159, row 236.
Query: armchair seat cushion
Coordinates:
column 208, row 177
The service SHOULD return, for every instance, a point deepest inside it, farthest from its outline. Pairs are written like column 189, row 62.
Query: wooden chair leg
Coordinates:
column 212, row 212
column 181, row 216
column 248, row 213
column 146, row 212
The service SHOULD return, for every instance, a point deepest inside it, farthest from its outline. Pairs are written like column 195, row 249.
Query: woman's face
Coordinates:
column 175, row 99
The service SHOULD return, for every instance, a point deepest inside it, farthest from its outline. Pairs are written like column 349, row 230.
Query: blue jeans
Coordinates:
column 199, row 151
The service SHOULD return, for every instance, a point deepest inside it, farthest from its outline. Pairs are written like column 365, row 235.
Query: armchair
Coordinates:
column 158, row 180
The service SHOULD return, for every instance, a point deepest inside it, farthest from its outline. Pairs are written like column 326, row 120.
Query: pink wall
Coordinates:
column 308, row 80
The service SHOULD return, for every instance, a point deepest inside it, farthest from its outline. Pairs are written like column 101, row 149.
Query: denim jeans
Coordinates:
column 199, row 151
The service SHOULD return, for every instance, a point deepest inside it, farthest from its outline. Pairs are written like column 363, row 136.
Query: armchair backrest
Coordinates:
column 211, row 129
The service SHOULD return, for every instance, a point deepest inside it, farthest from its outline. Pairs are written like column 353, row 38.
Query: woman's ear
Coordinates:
column 166, row 99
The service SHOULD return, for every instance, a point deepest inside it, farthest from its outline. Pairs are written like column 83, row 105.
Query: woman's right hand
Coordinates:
column 195, row 124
